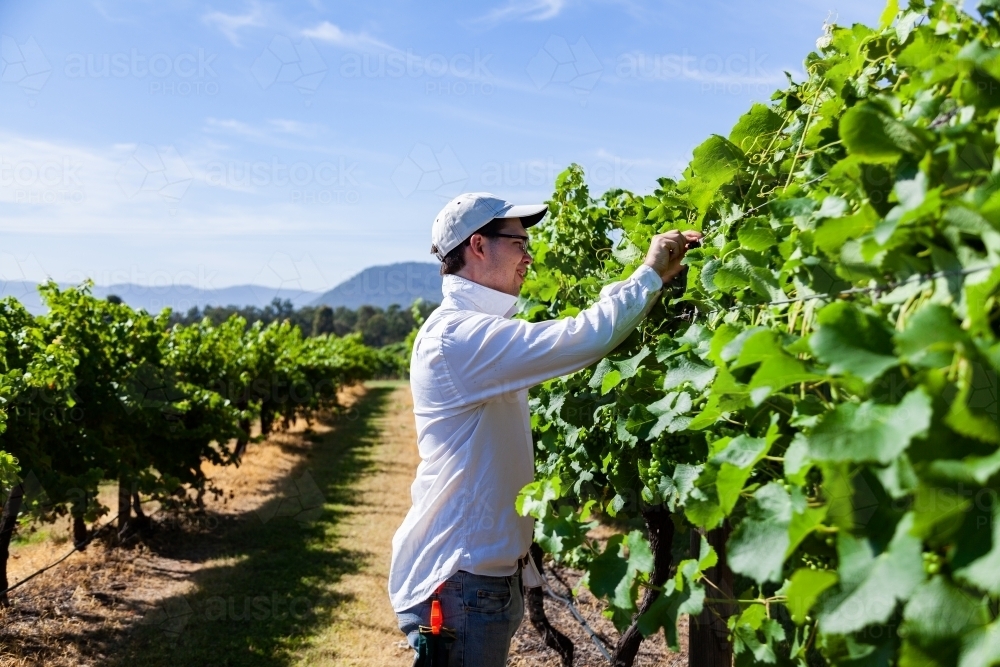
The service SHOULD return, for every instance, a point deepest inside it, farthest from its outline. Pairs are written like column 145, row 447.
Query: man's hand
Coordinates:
column 667, row 250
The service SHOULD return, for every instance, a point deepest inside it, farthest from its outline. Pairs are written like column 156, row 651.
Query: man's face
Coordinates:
column 508, row 264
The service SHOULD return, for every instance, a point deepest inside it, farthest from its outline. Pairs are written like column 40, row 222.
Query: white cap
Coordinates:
column 467, row 213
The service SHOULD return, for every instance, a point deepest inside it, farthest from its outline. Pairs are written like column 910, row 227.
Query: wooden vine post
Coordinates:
column 708, row 634
column 11, row 508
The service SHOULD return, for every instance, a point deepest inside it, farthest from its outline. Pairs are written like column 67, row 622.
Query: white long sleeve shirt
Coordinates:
column 470, row 373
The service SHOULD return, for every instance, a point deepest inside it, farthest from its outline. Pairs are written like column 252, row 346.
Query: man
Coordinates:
column 462, row 544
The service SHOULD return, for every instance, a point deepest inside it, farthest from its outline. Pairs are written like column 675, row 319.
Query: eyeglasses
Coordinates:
column 523, row 240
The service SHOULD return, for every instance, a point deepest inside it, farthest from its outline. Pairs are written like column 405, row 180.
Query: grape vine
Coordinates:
column 94, row 391
column 817, row 396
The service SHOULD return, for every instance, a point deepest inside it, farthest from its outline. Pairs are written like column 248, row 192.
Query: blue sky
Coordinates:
column 293, row 144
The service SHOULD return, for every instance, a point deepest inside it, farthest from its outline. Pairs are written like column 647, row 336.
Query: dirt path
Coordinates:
column 364, row 632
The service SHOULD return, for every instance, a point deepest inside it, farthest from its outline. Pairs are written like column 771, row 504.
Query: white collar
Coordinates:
column 469, row 295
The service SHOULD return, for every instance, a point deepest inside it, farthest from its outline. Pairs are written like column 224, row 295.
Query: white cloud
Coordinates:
column 295, row 127
column 232, row 126
column 332, row 34
column 525, row 10
column 270, row 130
column 231, row 24
column 291, row 136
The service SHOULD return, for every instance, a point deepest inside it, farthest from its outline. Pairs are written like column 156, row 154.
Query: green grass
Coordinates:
column 273, row 591
column 33, row 533
column 387, row 384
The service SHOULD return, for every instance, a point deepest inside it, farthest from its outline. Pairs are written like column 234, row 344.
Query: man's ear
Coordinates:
column 477, row 245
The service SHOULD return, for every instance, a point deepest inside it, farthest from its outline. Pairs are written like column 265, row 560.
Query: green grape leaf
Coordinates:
column 833, row 233
column 611, row 379
column 805, row 520
column 715, row 162
column 874, row 136
column 797, row 459
column 701, row 506
column 935, row 506
column 757, row 546
column 757, row 237
column 853, row 341
column 736, row 464
column 973, row 411
column 609, row 374
column 930, row 337
column 535, row 498
column 699, row 375
column 707, row 276
column 870, row 431
column 670, row 412
column 738, row 273
column 608, row 574
column 888, row 14
column 791, row 208
column 680, row 595
column 748, row 627
column 984, row 572
column 871, row 586
column 981, row 647
column 938, row 611
column 684, row 479
column 805, row 588
column 756, row 129
column 612, row 575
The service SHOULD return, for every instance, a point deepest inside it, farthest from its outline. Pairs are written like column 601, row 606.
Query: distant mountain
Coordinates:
column 178, row 297
column 379, row 286
column 25, row 292
column 382, row 286
column 183, row 297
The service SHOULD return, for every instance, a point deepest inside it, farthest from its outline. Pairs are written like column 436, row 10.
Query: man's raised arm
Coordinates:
column 491, row 356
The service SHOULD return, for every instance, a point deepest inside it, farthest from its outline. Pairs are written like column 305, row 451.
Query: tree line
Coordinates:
column 377, row 326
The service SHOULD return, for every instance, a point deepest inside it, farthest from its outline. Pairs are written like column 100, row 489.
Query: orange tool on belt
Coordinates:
column 437, row 618
column 434, row 642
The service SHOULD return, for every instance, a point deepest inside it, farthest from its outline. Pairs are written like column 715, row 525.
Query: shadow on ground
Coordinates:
column 272, row 590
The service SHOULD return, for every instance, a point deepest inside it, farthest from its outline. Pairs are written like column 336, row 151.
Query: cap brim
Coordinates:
column 530, row 214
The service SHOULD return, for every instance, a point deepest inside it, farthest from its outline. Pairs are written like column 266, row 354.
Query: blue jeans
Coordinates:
column 483, row 611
